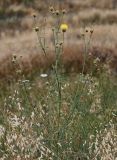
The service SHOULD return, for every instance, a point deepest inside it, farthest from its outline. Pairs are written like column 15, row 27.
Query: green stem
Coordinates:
column 85, row 54
column 41, row 44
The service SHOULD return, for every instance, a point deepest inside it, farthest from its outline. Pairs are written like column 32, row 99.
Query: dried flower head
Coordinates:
column 14, row 56
column 82, row 32
column 86, row 30
column 91, row 31
column 36, row 29
column 61, row 43
column 34, row 15
column 64, row 27
column 51, row 8
column 63, row 11
column 13, row 61
column 57, row 12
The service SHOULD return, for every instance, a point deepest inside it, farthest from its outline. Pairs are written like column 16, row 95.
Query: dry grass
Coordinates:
column 21, row 22
column 103, row 4
column 14, row 39
column 72, row 61
column 18, row 15
column 47, row 113
column 103, row 45
column 97, row 16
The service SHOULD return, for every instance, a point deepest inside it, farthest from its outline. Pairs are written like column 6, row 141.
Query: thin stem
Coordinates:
column 41, row 44
column 85, row 54
column 58, row 80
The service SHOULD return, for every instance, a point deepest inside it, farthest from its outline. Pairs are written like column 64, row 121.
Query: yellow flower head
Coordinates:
column 63, row 27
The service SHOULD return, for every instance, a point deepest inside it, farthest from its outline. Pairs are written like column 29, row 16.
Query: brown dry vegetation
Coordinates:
column 47, row 110
column 72, row 61
column 17, row 36
column 17, row 13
